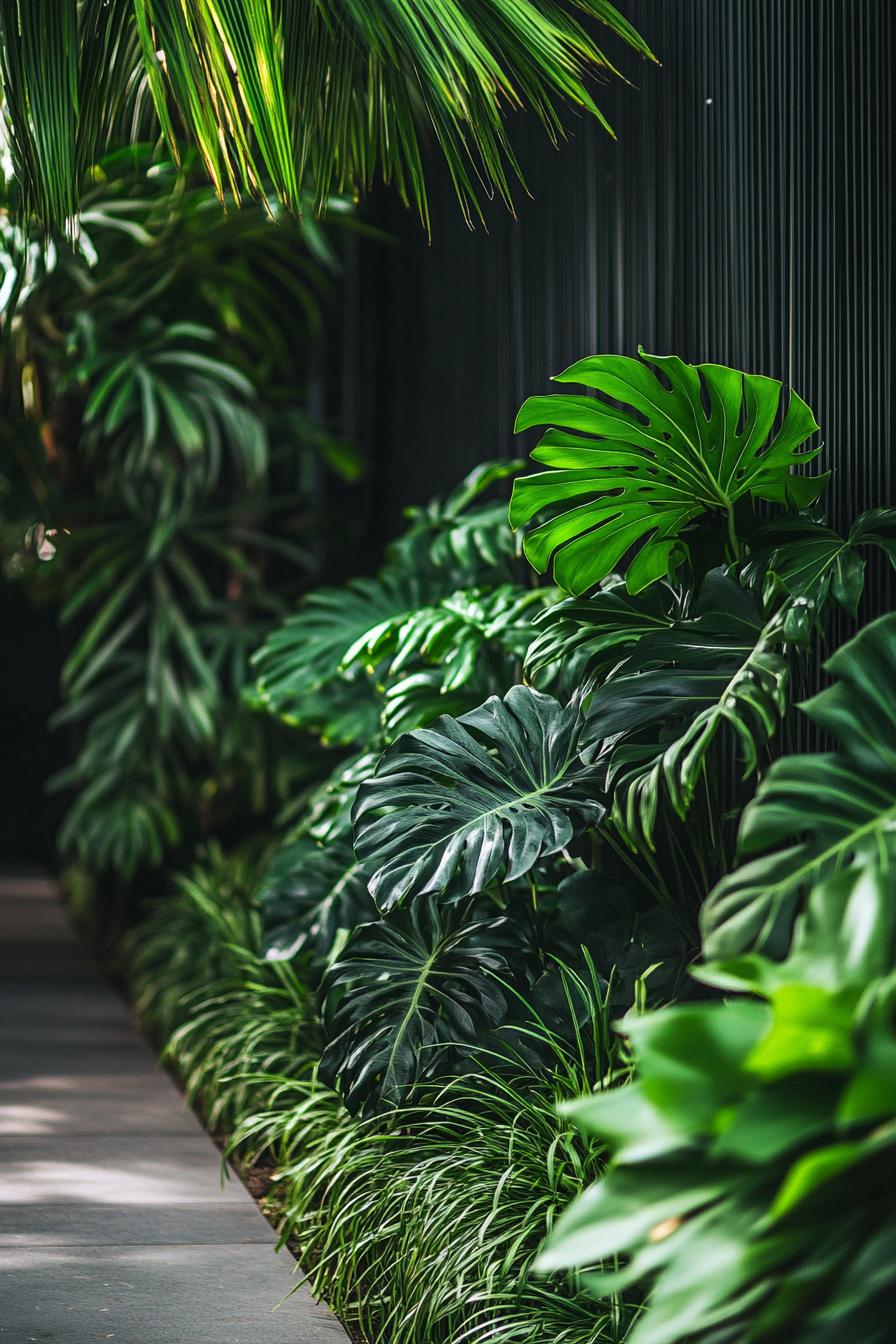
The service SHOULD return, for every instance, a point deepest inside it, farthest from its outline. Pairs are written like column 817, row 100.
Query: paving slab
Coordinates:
column 86, row 1103
column 200, row 1224
column 30, row 1014
column 158, row 1295
column 132, row 1169
column 65, row 1059
column 115, row 1223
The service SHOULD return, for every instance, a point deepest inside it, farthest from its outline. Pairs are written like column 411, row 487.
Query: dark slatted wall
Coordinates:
column 743, row 215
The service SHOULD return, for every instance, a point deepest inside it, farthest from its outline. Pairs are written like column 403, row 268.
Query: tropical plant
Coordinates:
column 427, row 1231
column 533, row 808
column 753, row 1155
column 306, row 98
column 662, row 445
column 662, row 672
column 813, row 814
column 667, row 674
column 815, row 563
column 467, row 802
column 357, row 1195
column 168, row 489
column 498, row 798
column 356, row 665
column 443, row 606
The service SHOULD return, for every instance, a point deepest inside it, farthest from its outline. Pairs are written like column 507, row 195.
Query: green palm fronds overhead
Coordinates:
column 278, row 94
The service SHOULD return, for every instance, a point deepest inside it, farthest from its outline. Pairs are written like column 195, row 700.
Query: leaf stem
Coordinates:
column 733, row 542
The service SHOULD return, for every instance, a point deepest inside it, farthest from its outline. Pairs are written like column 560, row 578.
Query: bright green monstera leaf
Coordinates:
column 466, row 802
column 663, row 444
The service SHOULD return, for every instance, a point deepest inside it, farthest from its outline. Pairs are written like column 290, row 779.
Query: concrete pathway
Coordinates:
column 114, row 1224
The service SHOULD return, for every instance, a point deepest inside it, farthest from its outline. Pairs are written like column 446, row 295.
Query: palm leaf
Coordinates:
column 66, row 68
column 461, row 534
column 469, row 801
column 814, row 814
column 657, row 449
column 332, row 628
column 414, row 700
column 284, row 92
column 460, row 633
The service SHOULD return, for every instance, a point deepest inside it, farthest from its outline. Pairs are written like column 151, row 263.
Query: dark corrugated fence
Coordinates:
column 744, row 215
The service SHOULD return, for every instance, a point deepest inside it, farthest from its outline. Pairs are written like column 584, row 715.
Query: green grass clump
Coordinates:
column 426, row 1232
column 418, row 1226
column 225, row 1018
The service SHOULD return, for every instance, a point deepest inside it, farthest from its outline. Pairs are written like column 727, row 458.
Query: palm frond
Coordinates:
column 282, row 93
column 67, row 70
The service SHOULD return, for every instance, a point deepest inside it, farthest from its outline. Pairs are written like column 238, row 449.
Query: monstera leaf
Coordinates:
column 309, row 894
column 812, row 814
column 656, row 450
column 406, row 994
column 596, row 633
column 724, row 668
column 469, row 801
column 816, row 563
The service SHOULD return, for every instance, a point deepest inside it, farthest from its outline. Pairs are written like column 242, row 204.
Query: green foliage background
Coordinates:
column 491, row 846
column 543, row 882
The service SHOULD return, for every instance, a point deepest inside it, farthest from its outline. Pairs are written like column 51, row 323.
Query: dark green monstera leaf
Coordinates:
column 625, row 941
column 308, row 895
column 470, row 801
column 816, row 813
column 658, row 448
column 407, row 994
column 596, row 633
column 816, row 563
column 724, row 669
